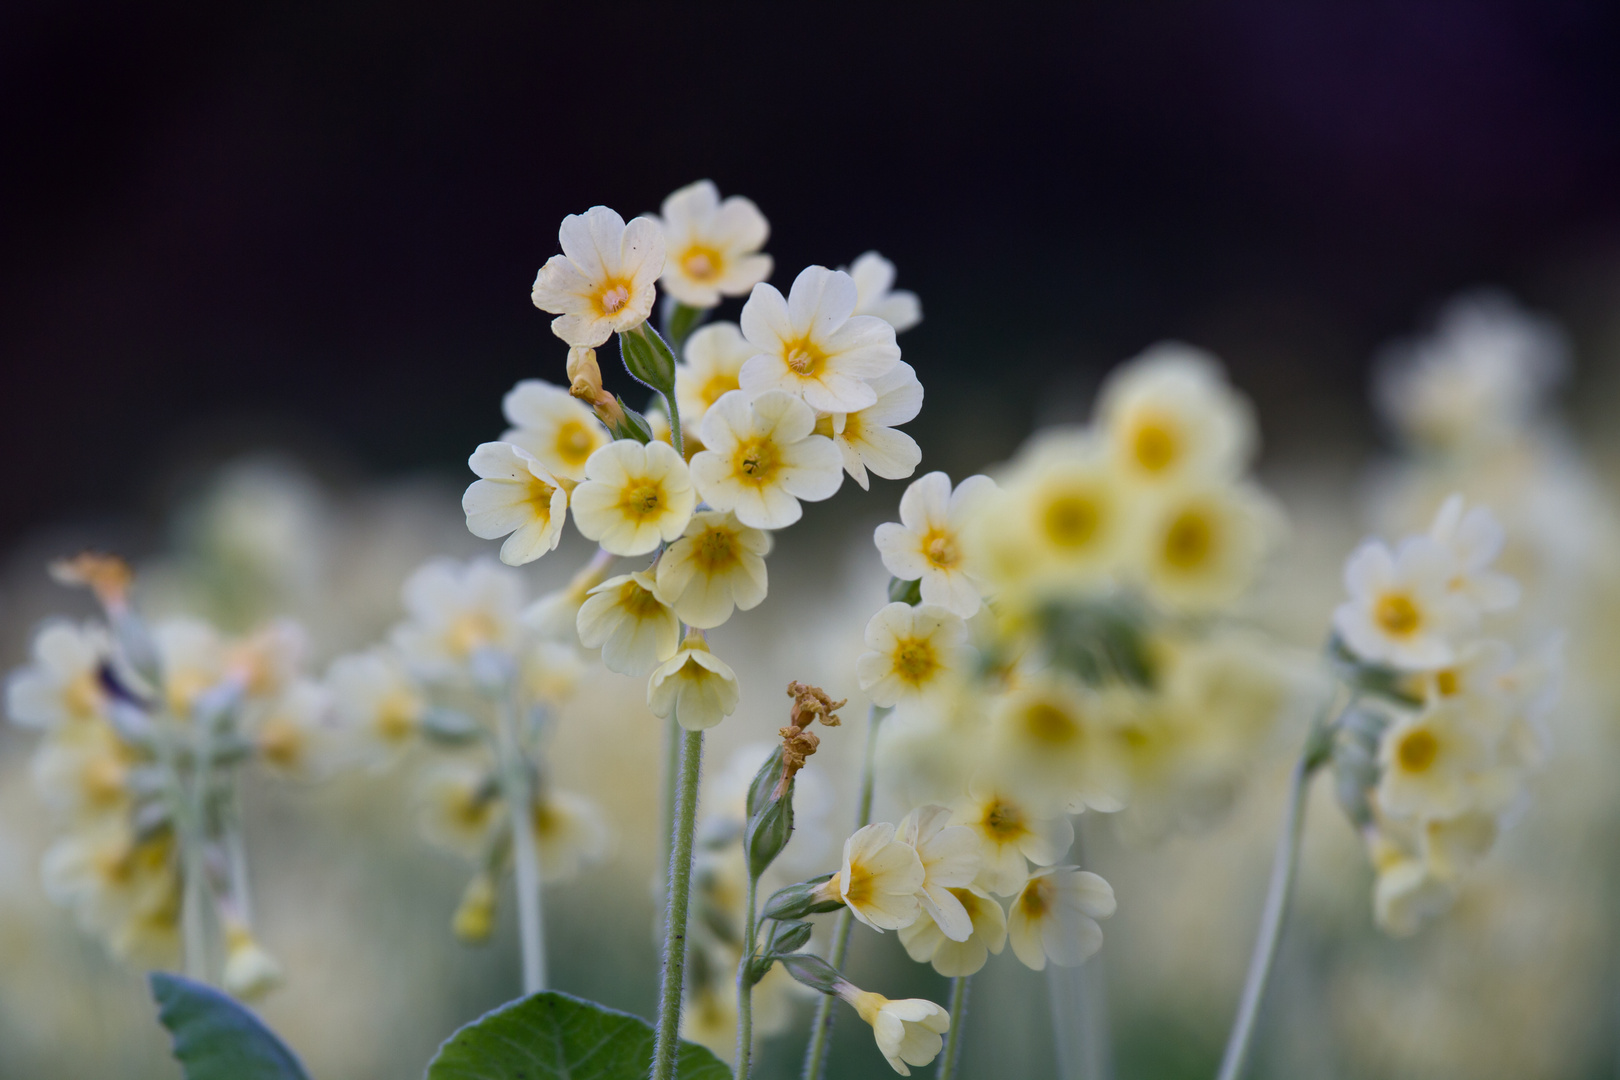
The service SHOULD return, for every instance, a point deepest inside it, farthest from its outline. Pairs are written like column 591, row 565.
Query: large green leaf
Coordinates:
column 217, row 1039
column 553, row 1036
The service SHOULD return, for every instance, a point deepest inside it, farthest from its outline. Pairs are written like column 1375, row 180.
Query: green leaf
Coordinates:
column 217, row 1039
column 552, row 1036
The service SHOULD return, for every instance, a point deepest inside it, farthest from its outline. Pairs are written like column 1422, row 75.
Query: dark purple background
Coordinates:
column 320, row 221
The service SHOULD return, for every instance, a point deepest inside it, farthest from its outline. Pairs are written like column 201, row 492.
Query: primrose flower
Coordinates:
column 714, row 355
column 515, row 494
column 762, row 457
column 1055, row 917
column 374, row 697
column 625, row 619
column 867, row 437
column 694, row 685
column 927, row 543
column 603, row 282
column 475, row 915
column 1051, row 737
column 457, row 805
column 880, row 878
column 925, row 942
column 1170, row 414
column 570, row 834
column 250, row 972
column 1200, row 545
column 121, row 888
column 908, row 1031
column 950, row 860
column 1406, row 893
column 456, row 610
column 812, row 345
column 62, row 688
column 1431, row 763
column 1010, row 831
column 914, row 651
column 1474, row 540
column 634, row 497
column 554, row 426
column 718, row 565
column 84, row 775
column 294, row 734
column 1402, row 610
column 875, row 293
column 193, row 658
column 713, row 246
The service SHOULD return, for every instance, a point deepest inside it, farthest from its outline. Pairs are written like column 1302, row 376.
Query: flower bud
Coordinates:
column 813, row 971
column 769, row 830
column 631, row 425
column 805, row 898
column 648, row 359
column 584, row 377
column 787, row 937
column 475, row 918
column 448, row 727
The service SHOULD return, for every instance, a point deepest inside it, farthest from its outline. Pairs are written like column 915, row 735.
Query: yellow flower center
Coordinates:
column 539, row 496
column 1447, row 682
column 757, row 461
column 861, row 885
column 83, row 696
column 1045, row 723
column 396, row 715
column 1004, row 821
column 1071, row 520
column 103, row 781
column 716, row 549
column 701, row 263
column 468, row 632
column 1397, row 615
column 574, row 441
column 804, row 358
column 1154, row 445
column 613, row 296
column 915, row 660
column 1189, row 541
column 639, row 602
column 281, row 741
column 1417, row 750
column 1033, row 900
column 717, row 386
column 939, row 548
column 643, row 500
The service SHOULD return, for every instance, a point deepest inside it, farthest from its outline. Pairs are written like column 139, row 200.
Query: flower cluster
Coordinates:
column 1435, row 752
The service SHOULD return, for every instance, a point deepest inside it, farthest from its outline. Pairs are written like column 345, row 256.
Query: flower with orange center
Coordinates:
column 880, row 878
column 1200, row 545
column 1010, row 830
column 1169, row 415
column 712, row 361
column 812, row 345
column 554, row 426
column 1435, row 763
column 718, row 566
column 456, row 610
column 515, row 494
column 605, row 279
column 634, row 497
column 914, row 652
column 624, row 617
column 761, row 457
column 927, row 544
column 1401, row 610
column 713, row 245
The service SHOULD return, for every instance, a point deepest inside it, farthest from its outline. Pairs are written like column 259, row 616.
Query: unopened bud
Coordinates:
column 475, row 918
column 813, row 971
column 805, row 898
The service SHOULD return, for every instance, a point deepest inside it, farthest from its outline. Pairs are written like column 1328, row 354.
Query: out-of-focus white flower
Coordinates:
column 1010, row 831
column 695, row 686
column 625, row 619
column 812, row 345
column 1055, row 917
column 604, row 281
column 62, row 687
column 455, row 610
column 553, row 615
column 634, row 497
column 1431, row 763
column 83, row 772
column 570, row 834
column 867, row 437
column 1453, row 845
column 374, row 697
column 927, row 542
column 554, row 426
column 123, row 889
column 1050, row 737
column 458, row 804
column 250, row 972
column 908, row 1031
column 550, row 672
column 950, row 860
column 1402, row 610
column 876, row 295
column 713, row 246
column 925, row 942
column 475, row 915
column 1406, row 893
column 912, row 652
column 762, row 457
column 714, row 356
column 193, row 658
column 717, row 566
column 880, row 878
column 515, row 494
column 1474, row 539
column 1200, row 545
column 294, row 734
column 1170, row 414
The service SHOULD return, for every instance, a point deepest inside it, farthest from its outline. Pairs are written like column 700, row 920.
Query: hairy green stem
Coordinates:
column 1079, row 1003
column 815, row 1054
column 953, row 1037
column 676, row 438
column 745, row 983
column 517, row 788
column 679, row 892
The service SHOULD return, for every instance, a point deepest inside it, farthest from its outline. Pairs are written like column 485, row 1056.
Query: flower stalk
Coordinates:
column 517, row 788
column 953, row 1038
column 667, row 1041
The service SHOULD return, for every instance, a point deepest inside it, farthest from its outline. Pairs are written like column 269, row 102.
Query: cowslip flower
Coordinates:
column 912, row 652
column 908, row 1031
column 603, row 282
column 294, row 734
column 84, row 773
column 867, row 438
column 761, row 457
column 712, row 360
column 925, row 942
column 876, row 295
column 879, row 880
column 250, row 971
column 193, row 658
column 695, row 686
column 1051, row 737
column 1406, row 893
column 1401, row 610
column 813, row 345
column 1200, row 545
column 1010, row 831
column 458, row 804
column 374, row 697
column 1474, row 539
column 926, row 543
column 1431, row 762
column 713, row 246
column 514, row 494
column 570, row 834
column 634, row 629
column 717, row 565
column 554, row 426
column 122, row 889
column 1170, row 414
column 455, row 610
column 1055, row 917
column 634, row 497
column 950, row 860
column 62, row 687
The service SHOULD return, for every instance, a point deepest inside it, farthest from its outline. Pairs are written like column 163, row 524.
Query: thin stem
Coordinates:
column 236, row 855
column 516, row 786
column 815, row 1054
column 953, row 1037
column 676, row 439
column 1283, row 866
column 745, row 984
column 680, row 894
column 1079, row 1003
column 672, row 774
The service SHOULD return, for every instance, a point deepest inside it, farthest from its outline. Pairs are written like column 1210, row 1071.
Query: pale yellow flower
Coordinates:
column 717, row 566
column 1055, row 917
column 908, row 1031
column 1010, row 831
column 1474, row 539
column 604, row 281
column 125, row 890
column 1406, row 893
column 1451, row 846
column 1170, row 414
column 925, row 942
column 1402, row 611
column 812, row 345
column 695, row 686
column 950, row 856
column 514, row 494
column 83, row 772
column 1200, row 545
column 458, row 805
column 570, row 834
column 761, row 457
column 634, row 497
column 553, row 425
column 913, row 652
column 713, row 246
column 193, row 658
column 62, row 687
column 1432, row 763
column 624, row 617
column 880, row 878
column 295, row 734
column 374, row 697
column 926, row 545
column 457, row 610
column 1050, row 737
column 867, row 438
column 875, row 293
column 714, row 356
column 249, row 972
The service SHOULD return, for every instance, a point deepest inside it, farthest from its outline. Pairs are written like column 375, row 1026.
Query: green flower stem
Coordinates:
column 1079, row 1002
column 745, row 983
column 815, row 1055
column 517, row 789
column 676, row 438
column 953, row 1038
column 679, row 891
column 1318, row 747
